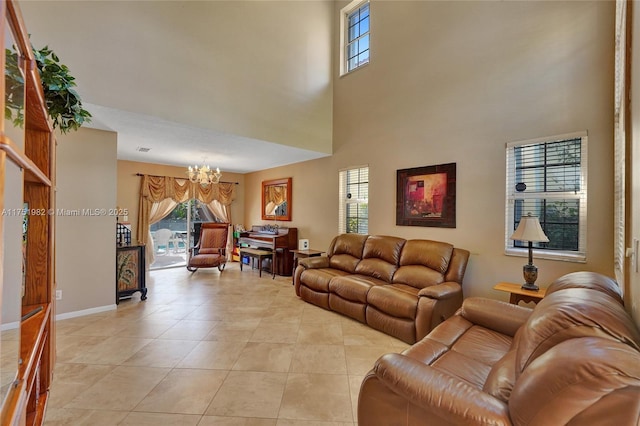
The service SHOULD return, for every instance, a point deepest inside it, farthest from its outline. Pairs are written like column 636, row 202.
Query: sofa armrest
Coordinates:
column 446, row 396
column 314, row 262
column 503, row 317
column 441, row 291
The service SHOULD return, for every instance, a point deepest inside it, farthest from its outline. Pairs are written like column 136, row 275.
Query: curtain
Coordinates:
column 159, row 210
column 154, row 189
column 275, row 196
column 157, row 189
column 223, row 213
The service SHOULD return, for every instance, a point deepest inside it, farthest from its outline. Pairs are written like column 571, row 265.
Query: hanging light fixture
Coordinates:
column 203, row 174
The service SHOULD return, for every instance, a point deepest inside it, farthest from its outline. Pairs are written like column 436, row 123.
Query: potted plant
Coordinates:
column 62, row 101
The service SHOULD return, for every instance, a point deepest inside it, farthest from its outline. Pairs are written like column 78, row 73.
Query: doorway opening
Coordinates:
column 176, row 233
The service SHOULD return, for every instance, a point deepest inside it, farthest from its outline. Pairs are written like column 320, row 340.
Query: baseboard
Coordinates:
column 13, row 325
column 84, row 312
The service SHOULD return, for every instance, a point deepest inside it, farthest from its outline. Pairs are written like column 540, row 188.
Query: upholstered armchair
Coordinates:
column 210, row 251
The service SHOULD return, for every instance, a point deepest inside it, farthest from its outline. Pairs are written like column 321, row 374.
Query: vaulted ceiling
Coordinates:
column 242, row 85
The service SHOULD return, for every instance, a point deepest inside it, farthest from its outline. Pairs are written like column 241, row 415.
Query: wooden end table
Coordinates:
column 302, row 254
column 519, row 294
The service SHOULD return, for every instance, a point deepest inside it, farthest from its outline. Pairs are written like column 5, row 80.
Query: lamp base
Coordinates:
column 530, row 273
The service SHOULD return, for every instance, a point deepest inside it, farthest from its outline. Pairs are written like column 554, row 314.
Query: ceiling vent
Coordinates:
column 143, row 149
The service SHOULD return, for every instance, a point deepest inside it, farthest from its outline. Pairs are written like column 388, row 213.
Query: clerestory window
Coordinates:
column 355, row 26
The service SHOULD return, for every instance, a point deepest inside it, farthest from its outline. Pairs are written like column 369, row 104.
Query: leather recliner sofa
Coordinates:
column 401, row 287
column 574, row 359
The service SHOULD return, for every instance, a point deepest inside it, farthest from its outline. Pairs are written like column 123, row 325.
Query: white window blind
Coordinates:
column 353, row 201
column 547, row 177
column 620, row 141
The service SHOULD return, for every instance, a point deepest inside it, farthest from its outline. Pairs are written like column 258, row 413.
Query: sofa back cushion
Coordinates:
column 423, row 263
column 345, row 251
column 583, row 381
column 588, row 280
column 573, row 313
column 380, row 257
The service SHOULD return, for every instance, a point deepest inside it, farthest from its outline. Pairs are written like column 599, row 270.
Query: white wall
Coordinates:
column 85, row 245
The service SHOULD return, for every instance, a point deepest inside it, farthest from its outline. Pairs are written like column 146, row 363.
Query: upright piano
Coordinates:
column 272, row 237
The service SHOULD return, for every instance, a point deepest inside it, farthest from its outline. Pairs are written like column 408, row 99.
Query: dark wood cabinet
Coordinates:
column 130, row 272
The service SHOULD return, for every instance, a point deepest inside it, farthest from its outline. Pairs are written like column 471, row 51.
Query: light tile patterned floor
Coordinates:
column 213, row 349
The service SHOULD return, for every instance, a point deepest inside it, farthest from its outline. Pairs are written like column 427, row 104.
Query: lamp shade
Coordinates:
column 529, row 229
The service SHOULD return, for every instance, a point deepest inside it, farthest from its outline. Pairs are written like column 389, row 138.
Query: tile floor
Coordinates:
column 212, row 349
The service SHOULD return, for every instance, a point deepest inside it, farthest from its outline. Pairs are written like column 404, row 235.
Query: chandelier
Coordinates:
column 204, row 175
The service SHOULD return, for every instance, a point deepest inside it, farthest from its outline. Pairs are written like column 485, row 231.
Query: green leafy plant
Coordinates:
column 62, row 101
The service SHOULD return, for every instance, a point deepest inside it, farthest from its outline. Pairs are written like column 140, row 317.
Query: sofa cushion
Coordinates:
column 353, row 287
column 345, row 251
column 423, row 263
column 398, row 300
column 318, row 279
column 380, row 257
column 502, row 377
column 473, row 355
column 572, row 313
column 462, row 349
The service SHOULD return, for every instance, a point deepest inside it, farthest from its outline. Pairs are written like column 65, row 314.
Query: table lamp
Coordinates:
column 529, row 229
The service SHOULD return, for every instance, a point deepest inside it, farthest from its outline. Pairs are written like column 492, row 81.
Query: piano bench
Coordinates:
column 260, row 255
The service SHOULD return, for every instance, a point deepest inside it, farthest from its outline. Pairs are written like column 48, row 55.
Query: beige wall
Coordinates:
column 129, row 187
column 448, row 82
column 85, row 245
column 454, row 82
column 255, row 69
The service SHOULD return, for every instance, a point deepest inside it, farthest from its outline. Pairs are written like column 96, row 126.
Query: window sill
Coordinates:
column 547, row 255
column 346, row 73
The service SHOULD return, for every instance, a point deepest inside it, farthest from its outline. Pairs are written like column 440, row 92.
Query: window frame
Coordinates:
column 344, row 38
column 343, row 201
column 511, row 196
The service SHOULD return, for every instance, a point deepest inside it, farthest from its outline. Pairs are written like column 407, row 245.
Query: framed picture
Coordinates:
column 276, row 199
column 426, row 196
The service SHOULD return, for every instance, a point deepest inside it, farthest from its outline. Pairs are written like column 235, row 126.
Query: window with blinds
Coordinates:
column 355, row 20
column 354, row 201
column 548, row 178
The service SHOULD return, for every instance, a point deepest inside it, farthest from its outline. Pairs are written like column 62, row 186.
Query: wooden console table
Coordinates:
column 519, row 294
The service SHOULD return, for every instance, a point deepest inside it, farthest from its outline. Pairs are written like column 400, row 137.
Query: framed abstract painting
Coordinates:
column 426, row 196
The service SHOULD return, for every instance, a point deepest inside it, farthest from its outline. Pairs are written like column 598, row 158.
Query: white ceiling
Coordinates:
column 221, row 82
column 179, row 145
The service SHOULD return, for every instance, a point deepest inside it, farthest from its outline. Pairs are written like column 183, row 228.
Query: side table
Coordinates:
column 519, row 294
column 302, row 254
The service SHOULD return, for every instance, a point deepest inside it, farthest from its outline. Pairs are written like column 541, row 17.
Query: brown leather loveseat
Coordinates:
column 401, row 287
column 574, row 359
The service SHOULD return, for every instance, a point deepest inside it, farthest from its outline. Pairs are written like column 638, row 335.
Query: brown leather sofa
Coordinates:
column 573, row 359
column 401, row 287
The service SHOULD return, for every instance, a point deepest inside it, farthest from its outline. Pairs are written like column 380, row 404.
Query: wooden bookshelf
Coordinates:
column 25, row 398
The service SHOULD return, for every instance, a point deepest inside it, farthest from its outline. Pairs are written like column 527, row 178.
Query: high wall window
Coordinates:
column 548, row 178
column 355, row 35
column 354, row 201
